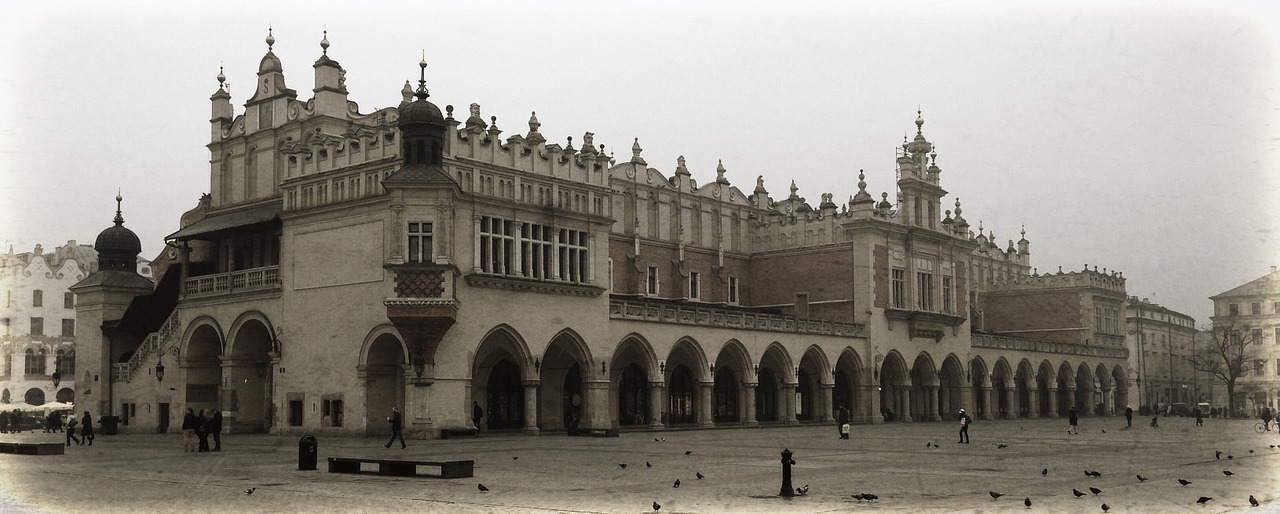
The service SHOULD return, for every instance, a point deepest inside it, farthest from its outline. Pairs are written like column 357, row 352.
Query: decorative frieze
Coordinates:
column 728, row 318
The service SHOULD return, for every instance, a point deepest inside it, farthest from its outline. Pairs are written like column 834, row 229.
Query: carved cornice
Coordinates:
column 532, row 286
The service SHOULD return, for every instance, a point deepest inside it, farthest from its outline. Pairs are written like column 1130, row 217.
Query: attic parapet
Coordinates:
column 478, row 140
column 1110, row 281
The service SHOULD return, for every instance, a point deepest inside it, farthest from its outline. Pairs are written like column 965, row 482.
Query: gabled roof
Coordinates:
column 423, row 174
column 230, row 220
column 1266, row 284
column 115, row 278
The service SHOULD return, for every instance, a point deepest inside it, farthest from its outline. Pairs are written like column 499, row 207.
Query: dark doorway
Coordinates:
column 767, row 397
column 804, row 405
column 680, row 403
column 842, row 393
column 504, row 397
column 633, row 402
column 572, row 398
column 163, row 413
column 725, row 397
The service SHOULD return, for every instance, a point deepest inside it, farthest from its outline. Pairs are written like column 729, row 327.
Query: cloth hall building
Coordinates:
column 346, row 262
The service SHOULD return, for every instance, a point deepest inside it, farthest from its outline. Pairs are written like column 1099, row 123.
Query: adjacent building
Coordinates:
column 1163, row 341
column 1253, row 308
column 347, row 262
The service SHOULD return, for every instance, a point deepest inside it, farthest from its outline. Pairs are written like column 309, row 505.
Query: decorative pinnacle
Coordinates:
column 862, row 181
column 422, row 93
column 271, row 40
column 324, row 43
column 119, row 219
column 919, row 120
column 222, row 78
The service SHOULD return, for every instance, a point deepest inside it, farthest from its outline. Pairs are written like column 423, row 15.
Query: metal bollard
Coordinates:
column 787, row 490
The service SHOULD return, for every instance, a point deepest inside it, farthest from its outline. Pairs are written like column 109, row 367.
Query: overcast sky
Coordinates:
column 1140, row 137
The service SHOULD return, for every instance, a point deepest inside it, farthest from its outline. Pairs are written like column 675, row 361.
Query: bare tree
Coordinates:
column 1228, row 355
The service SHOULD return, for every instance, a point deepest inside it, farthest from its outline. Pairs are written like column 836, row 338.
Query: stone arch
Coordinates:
column 245, row 329
column 382, row 366
column 687, row 369
column 385, row 329
column 979, row 381
column 811, row 382
column 774, row 378
column 201, row 352
column 895, row 388
column 65, row 395
column 1004, row 398
column 1066, row 384
column 1120, row 389
column 1047, row 389
column 729, row 390
column 924, row 390
column 212, row 332
column 953, row 386
column 501, row 376
column 848, row 388
column 566, row 363
column 1087, row 398
column 633, row 387
column 247, row 375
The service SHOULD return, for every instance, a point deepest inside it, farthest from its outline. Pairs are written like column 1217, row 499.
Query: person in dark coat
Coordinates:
column 71, row 430
column 842, row 419
column 1073, row 419
column 964, row 427
column 189, row 431
column 86, row 429
column 202, row 430
column 4, row 422
column 215, row 429
column 1199, row 417
column 476, row 414
column 397, row 425
column 1128, row 416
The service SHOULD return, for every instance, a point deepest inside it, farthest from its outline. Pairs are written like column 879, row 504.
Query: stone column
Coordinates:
column 1108, row 403
column 657, row 404
column 904, row 401
column 597, row 413
column 704, row 404
column 1033, row 397
column 1010, row 402
column 988, row 410
column 931, row 404
column 750, row 398
column 1053, row 402
column 1071, row 402
column 824, row 413
column 867, row 405
column 789, row 402
column 530, row 406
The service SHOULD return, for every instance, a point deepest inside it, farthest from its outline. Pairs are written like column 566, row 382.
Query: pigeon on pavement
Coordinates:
column 1095, row 491
column 995, row 495
column 250, row 490
column 1027, row 501
column 1077, row 493
column 1142, row 478
column 700, row 475
column 1253, row 501
column 1044, row 472
column 1105, row 507
column 482, row 488
column 677, row 484
column 1203, row 500
column 1227, row 472
column 656, row 506
column 1184, row 482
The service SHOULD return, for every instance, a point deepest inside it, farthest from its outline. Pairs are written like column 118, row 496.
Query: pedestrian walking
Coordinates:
column 843, row 421
column 965, row 420
column 202, row 430
column 397, row 425
column 86, row 429
column 215, row 429
column 476, row 414
column 1128, row 416
column 1266, row 418
column 189, row 431
column 1199, row 417
column 71, row 431
column 4, row 422
column 1073, row 419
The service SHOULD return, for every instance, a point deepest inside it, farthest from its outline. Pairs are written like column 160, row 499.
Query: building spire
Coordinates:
column 324, row 42
column 271, row 40
column 422, row 93
column 119, row 219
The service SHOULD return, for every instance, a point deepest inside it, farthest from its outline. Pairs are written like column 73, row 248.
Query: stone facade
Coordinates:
column 1254, row 308
column 345, row 263
column 1162, row 342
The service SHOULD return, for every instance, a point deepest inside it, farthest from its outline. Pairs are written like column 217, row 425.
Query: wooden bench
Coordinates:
column 34, row 448
column 446, row 433
column 402, row 468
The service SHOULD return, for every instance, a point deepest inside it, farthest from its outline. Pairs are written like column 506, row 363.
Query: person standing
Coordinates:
column 964, row 427
column 189, row 431
column 1073, row 418
column 71, row 430
column 202, row 430
column 843, row 422
column 1199, row 417
column 4, row 422
column 1266, row 418
column 215, row 429
column 1128, row 416
column 476, row 414
column 397, row 425
column 86, row 429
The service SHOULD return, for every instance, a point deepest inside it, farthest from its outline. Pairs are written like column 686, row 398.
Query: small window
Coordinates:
column 1255, row 308
column 652, row 281
column 68, row 328
column 1256, row 334
column 37, row 298
column 331, row 410
column 37, row 326
column 420, row 242
column 1233, row 309
column 898, row 289
column 694, row 286
column 68, row 301
column 733, row 290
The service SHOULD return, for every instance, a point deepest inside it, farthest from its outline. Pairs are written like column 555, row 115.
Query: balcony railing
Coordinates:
column 264, row 278
column 156, row 343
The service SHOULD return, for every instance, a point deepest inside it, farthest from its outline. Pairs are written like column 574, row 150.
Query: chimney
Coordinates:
column 1273, row 269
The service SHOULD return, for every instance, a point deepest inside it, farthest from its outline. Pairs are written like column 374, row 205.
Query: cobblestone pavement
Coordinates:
column 554, row 473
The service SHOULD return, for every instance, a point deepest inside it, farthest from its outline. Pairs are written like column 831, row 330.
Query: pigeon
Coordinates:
column 1253, row 501
column 1044, row 472
column 515, row 458
column 688, row 452
column 1002, row 446
column 1184, row 482
column 1229, row 457
column 1203, row 500
column 482, row 488
column 1095, row 491
column 1217, row 454
column 1106, row 508
column 677, row 484
column 935, row 445
column 700, row 475
column 1250, row 451
column 647, row 465
column 622, row 465
column 858, row 496
column 250, row 490
column 656, row 506
column 1227, row 472
column 870, row 497
column 1093, row 474
column 1273, row 447
column 995, row 495
column 655, row 439
column 1077, row 493
column 1027, row 501
column 1104, row 430
column 1142, row 478
column 805, row 489
column 928, row 444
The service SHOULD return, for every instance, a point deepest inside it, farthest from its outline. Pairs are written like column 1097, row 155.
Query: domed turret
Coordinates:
column 270, row 63
column 420, row 110
column 422, row 127
column 118, row 247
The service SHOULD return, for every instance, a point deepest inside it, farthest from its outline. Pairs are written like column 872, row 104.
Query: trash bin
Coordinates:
column 307, row 453
column 109, row 424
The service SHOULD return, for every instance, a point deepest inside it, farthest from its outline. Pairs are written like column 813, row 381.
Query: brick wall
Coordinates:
column 1054, row 315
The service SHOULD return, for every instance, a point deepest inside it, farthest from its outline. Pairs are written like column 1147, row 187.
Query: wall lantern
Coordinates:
column 419, row 366
column 662, row 367
column 159, row 371
column 261, row 368
column 757, row 369
column 57, row 377
column 603, row 367
column 537, row 365
column 797, row 371
column 713, row 368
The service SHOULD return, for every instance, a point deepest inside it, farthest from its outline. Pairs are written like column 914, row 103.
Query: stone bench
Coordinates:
column 402, row 468
column 33, row 448
column 446, row 433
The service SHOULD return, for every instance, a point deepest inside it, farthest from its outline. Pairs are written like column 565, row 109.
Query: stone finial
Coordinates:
column 720, row 178
column 794, row 189
column 475, row 122
column 406, row 93
column 271, row 40
column 680, row 167
column 588, row 143
column 324, row 43
column 635, row 153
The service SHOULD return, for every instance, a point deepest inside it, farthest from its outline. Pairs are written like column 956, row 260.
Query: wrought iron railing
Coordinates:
column 266, row 277
column 156, row 343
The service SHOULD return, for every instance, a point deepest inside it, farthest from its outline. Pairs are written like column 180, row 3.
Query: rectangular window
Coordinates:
column 1256, row 334
column 1277, row 332
column 947, row 305
column 1097, row 319
column 419, row 242
column 295, row 413
column 68, row 301
column 898, row 288
column 733, row 293
column 331, row 410
column 536, row 245
column 693, row 284
column 37, row 326
column 68, row 328
column 574, row 259
column 497, row 240
column 1255, row 308
column 924, row 284
column 1233, row 309
column 37, row 298
column 651, row 281
column 1259, row 367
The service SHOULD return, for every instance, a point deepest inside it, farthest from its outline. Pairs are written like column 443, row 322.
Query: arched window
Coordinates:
column 34, row 362
column 34, row 396
column 65, row 362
